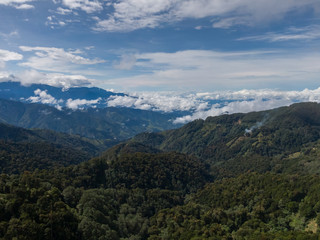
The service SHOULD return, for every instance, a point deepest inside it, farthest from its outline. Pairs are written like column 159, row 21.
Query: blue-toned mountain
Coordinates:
column 16, row 91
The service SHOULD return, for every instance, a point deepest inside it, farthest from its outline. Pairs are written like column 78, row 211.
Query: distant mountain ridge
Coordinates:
column 97, row 123
column 18, row 92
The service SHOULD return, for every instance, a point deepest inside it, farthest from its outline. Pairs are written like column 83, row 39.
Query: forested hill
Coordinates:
column 238, row 177
column 255, row 141
column 96, row 123
column 23, row 149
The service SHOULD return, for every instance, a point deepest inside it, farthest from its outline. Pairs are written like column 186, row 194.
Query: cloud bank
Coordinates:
column 166, row 102
column 203, row 105
column 29, row 77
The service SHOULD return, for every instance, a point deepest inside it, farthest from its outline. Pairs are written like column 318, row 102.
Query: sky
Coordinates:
column 162, row 45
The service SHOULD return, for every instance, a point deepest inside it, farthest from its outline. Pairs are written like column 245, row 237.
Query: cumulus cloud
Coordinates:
column 55, row 59
column 53, row 22
column 53, row 79
column 79, row 103
column 129, row 15
column 44, row 98
column 18, row 4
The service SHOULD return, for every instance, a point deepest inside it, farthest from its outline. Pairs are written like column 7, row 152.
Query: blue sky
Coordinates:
column 161, row 45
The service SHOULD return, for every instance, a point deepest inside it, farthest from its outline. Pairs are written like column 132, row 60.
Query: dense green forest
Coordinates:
column 240, row 176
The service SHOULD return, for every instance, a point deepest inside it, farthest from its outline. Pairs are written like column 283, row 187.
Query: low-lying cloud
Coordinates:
column 80, row 103
column 165, row 101
column 45, row 98
column 203, row 105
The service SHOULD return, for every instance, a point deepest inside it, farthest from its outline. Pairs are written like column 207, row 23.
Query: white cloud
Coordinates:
column 18, row 4
column 24, row 6
column 204, row 69
column 44, row 98
column 249, row 100
column 6, row 56
column 78, row 103
column 234, row 107
column 55, row 59
column 84, row 5
column 53, row 79
column 166, row 102
column 5, row 76
column 129, row 15
column 307, row 33
column 202, row 105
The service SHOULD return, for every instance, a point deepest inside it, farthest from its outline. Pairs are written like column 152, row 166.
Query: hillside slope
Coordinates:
column 239, row 142
column 101, row 123
column 23, row 149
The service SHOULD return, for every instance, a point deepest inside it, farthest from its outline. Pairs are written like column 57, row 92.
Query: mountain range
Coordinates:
column 18, row 92
column 97, row 123
column 238, row 176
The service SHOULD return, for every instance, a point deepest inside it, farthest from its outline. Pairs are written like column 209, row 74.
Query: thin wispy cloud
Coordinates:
column 203, row 69
column 292, row 34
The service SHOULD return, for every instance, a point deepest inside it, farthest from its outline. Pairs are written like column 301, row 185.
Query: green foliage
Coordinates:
column 266, row 183
column 170, row 171
column 237, row 143
column 252, row 206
